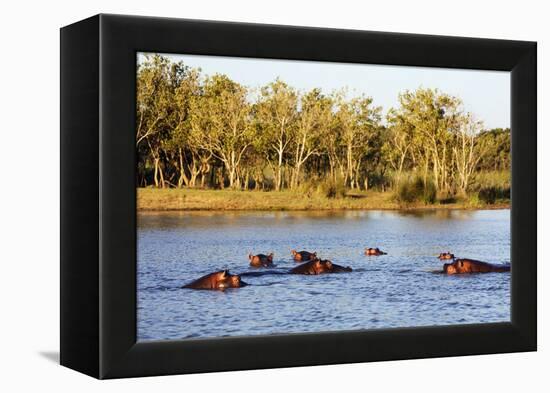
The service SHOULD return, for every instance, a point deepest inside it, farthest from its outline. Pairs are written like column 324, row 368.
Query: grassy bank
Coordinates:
column 192, row 199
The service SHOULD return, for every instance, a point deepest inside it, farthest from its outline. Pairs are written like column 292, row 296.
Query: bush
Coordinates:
column 490, row 195
column 491, row 187
column 308, row 187
column 490, row 179
column 430, row 192
column 416, row 190
column 378, row 181
column 331, row 188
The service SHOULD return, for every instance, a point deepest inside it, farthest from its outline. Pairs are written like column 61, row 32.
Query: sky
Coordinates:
column 485, row 94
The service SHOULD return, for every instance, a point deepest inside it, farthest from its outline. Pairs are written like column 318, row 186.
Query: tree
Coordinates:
column 211, row 130
column 375, row 170
column 331, row 143
column 466, row 154
column 190, row 159
column 222, row 117
column 313, row 123
column 276, row 114
column 495, row 144
column 157, row 80
column 432, row 118
column 357, row 121
column 398, row 147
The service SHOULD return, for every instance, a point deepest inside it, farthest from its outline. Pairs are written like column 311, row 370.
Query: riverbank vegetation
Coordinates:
column 171, row 199
column 206, row 141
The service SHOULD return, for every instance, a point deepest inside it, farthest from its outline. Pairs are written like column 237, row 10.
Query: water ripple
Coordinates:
column 395, row 290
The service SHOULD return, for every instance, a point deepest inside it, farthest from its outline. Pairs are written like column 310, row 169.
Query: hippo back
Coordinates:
column 208, row 281
column 306, row 268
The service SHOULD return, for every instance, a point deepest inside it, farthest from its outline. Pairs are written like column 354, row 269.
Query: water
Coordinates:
column 395, row 290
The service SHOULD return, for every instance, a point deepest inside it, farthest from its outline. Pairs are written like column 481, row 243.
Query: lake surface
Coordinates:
column 394, row 290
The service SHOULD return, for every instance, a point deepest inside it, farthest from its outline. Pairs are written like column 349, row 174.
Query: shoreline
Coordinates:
column 181, row 200
column 418, row 208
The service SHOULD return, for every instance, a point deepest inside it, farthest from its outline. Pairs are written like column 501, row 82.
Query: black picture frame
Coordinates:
column 98, row 196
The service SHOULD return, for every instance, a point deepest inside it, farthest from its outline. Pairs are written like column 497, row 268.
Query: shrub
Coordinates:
column 491, row 186
column 485, row 179
column 430, row 192
column 416, row 190
column 379, row 181
column 492, row 194
column 308, row 187
column 473, row 200
column 331, row 188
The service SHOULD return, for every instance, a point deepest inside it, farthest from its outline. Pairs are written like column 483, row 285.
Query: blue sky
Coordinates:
column 486, row 94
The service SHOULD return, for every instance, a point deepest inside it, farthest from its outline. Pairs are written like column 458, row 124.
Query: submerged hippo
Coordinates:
column 217, row 280
column 303, row 256
column 318, row 266
column 374, row 251
column 464, row 265
column 446, row 255
column 261, row 260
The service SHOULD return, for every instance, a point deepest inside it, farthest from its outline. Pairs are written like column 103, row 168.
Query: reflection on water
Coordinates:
column 395, row 290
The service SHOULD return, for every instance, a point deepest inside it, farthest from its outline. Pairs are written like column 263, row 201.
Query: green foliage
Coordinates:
column 332, row 188
column 492, row 186
column 308, row 187
column 495, row 144
column 491, row 195
column 416, row 190
column 484, row 179
column 430, row 192
column 208, row 131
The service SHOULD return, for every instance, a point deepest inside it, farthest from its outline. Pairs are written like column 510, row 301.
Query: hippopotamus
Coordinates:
column 446, row 255
column 303, row 256
column 374, row 251
column 261, row 260
column 464, row 265
column 318, row 266
column 217, row 280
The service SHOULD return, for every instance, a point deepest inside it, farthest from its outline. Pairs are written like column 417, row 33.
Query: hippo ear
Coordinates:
column 225, row 273
column 315, row 254
column 328, row 264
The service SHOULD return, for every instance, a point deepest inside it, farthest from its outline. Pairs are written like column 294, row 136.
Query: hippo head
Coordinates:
column 235, row 281
column 226, row 280
column 446, row 255
column 322, row 266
